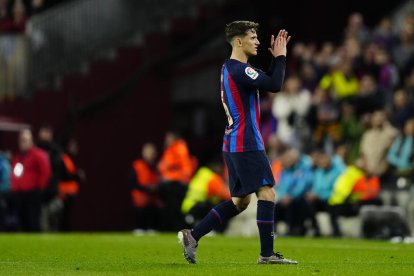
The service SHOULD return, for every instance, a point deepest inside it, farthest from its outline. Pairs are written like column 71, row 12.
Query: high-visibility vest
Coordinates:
column 205, row 186
column 277, row 169
column 344, row 185
column 366, row 189
column 145, row 177
column 70, row 187
column 176, row 163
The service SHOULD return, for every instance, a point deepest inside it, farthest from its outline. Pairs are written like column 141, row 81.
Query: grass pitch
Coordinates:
column 123, row 254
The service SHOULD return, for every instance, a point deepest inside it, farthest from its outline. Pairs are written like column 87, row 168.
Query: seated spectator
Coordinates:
column 145, row 181
column 19, row 18
column 356, row 28
column 384, row 34
column 375, row 143
column 401, row 154
column 290, row 108
column 268, row 123
column 37, row 6
column 326, row 112
column 206, row 189
column 341, row 83
column 176, row 168
column 324, row 177
column 294, row 182
column 401, row 110
column 352, row 129
column 353, row 188
column 387, row 75
column 403, row 51
column 370, row 97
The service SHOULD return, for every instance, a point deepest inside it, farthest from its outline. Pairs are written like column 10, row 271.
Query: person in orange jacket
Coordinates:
column 176, row 164
column 68, row 187
column 145, row 180
column 176, row 168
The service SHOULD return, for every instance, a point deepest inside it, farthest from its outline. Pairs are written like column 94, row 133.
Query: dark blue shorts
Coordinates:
column 248, row 171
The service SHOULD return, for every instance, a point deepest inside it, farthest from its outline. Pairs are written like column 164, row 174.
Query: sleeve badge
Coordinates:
column 251, row 73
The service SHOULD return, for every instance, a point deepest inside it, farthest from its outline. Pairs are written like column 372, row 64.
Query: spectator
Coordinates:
column 403, row 52
column 175, row 164
column 384, row 35
column 323, row 180
column 353, row 188
column 401, row 154
column 290, row 108
column 19, row 17
column 352, row 130
column 387, row 76
column 46, row 142
column 326, row 114
column 206, row 189
column 356, row 28
column 4, row 189
column 341, row 83
column 295, row 180
column 4, row 10
column 37, row 6
column 30, row 175
column 401, row 109
column 4, row 16
column 145, row 182
column 176, row 168
column 381, row 134
column 268, row 123
column 68, row 187
column 370, row 97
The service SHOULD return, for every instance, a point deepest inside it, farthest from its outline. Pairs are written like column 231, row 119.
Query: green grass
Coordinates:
column 120, row 254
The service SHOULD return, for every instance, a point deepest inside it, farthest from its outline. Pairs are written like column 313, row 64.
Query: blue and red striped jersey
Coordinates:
column 240, row 85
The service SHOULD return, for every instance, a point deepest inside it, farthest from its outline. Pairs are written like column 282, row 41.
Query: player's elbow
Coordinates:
column 275, row 88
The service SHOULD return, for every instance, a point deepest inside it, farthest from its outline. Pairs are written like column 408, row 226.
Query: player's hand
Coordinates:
column 278, row 44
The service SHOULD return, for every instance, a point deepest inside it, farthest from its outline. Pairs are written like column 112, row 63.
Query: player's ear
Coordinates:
column 238, row 42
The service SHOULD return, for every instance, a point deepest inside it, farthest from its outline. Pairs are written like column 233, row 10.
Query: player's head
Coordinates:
column 242, row 35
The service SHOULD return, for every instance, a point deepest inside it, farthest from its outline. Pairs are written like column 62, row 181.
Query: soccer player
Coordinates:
column 243, row 149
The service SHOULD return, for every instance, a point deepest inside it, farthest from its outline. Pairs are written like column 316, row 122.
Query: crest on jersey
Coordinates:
column 251, row 73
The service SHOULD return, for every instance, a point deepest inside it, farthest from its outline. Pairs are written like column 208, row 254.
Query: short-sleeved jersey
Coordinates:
column 240, row 84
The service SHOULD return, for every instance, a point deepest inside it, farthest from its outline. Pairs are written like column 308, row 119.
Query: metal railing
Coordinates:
column 14, row 64
column 72, row 33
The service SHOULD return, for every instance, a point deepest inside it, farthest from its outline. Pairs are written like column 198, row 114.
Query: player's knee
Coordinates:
column 267, row 193
column 241, row 203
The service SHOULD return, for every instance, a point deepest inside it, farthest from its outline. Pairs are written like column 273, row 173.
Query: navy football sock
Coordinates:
column 218, row 215
column 265, row 222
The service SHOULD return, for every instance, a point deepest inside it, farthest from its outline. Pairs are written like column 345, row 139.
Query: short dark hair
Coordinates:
column 239, row 28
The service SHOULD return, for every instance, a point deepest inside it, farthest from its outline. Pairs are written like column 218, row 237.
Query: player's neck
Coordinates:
column 239, row 55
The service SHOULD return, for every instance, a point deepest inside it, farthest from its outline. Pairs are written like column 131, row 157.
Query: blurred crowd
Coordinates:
column 39, row 183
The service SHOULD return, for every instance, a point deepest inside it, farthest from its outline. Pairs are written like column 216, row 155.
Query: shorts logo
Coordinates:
column 251, row 73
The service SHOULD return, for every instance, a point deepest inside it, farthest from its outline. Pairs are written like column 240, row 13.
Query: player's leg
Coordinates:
column 265, row 219
column 265, row 216
column 218, row 215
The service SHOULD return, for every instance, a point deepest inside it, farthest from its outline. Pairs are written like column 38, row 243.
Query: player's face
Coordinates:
column 250, row 43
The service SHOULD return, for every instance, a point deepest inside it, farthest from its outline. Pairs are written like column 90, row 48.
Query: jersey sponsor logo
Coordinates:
column 251, row 73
